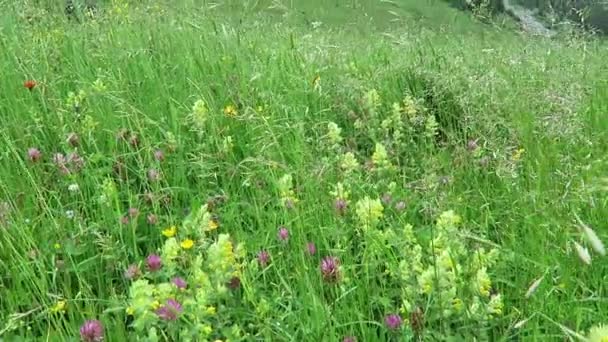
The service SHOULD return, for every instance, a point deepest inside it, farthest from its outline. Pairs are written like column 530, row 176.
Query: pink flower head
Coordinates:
column 263, row 258
column 132, row 272
column 34, row 154
column 180, row 283
column 152, row 219
column 472, row 145
column 311, row 248
column 59, row 158
column 154, row 262
column 283, row 234
column 349, row 339
column 159, row 155
column 170, row 311
column 153, row 175
column 330, row 268
column 124, row 220
column 393, row 321
column 400, row 206
column 134, row 140
column 234, row 283
column 340, row 205
column 387, row 198
column 75, row 161
column 133, row 212
column 91, row 331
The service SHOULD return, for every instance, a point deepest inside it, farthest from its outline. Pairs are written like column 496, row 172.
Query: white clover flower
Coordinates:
column 73, row 188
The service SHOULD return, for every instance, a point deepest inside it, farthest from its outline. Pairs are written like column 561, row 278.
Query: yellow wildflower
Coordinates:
column 369, row 211
column 155, row 305
column 230, row 110
column 170, row 232
column 212, row 225
column 207, row 330
column 57, row 246
column 483, row 284
column 187, row 244
column 517, row 154
column 130, row 311
column 210, row 310
column 457, row 304
column 60, row 306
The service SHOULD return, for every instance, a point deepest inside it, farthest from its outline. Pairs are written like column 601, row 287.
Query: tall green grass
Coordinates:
column 545, row 98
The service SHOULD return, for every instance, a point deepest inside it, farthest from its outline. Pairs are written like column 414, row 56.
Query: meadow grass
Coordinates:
column 497, row 142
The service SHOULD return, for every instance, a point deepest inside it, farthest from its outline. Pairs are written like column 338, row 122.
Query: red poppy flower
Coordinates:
column 29, row 84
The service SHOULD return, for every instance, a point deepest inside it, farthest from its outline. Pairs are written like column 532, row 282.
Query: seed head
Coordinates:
column 152, row 219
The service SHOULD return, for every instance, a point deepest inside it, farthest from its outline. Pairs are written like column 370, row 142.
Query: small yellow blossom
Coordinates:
column 170, row 232
column 207, row 330
column 517, row 154
column 130, row 311
column 57, row 246
column 457, row 304
column 230, row 110
column 60, row 306
column 483, row 284
column 496, row 306
column 155, row 305
column 187, row 244
column 210, row 310
column 212, row 225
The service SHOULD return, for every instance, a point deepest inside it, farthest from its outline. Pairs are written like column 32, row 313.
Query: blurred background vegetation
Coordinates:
column 591, row 14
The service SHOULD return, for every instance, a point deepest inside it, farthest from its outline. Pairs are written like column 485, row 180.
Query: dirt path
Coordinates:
column 528, row 20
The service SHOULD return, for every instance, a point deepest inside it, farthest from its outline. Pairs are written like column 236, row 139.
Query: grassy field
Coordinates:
column 314, row 170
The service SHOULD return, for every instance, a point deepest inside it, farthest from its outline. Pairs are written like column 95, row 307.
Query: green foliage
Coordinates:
column 307, row 168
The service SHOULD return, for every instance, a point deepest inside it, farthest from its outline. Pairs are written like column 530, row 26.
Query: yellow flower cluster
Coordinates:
column 380, row 158
column 286, row 192
column 349, row 163
column 454, row 278
column 369, row 211
column 200, row 114
column 334, row 133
